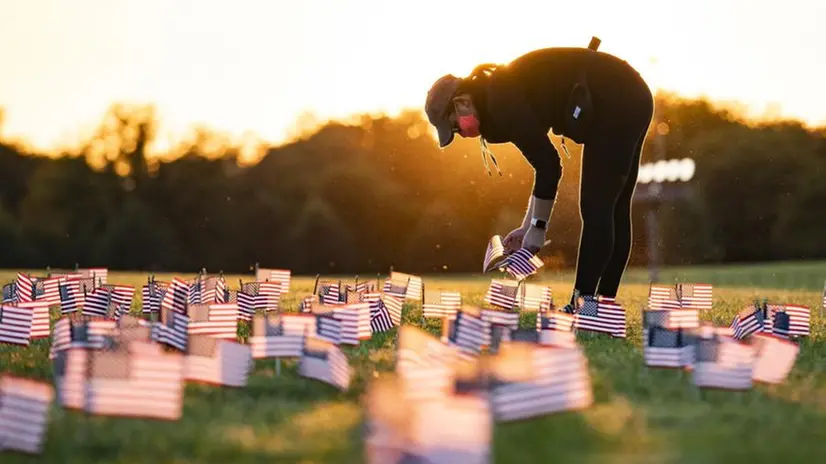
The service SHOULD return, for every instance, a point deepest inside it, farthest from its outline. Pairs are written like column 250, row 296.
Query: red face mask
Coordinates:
column 468, row 126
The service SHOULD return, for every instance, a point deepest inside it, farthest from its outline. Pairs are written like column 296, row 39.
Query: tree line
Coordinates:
column 376, row 194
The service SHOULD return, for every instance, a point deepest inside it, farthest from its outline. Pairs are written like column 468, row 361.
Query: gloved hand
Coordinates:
column 513, row 240
column 534, row 239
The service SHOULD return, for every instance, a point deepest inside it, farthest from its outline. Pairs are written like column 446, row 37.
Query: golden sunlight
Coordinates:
column 245, row 67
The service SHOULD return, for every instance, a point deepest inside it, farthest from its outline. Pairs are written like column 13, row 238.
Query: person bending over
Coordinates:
column 590, row 97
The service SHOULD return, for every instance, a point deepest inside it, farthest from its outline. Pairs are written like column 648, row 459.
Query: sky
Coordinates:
column 254, row 67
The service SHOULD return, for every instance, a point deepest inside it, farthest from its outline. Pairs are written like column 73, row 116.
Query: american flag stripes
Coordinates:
column 534, row 297
column 773, row 358
column 219, row 362
column 280, row 276
column 98, row 274
column 441, row 303
column 600, row 314
column 696, row 296
column 136, row 379
column 172, row 329
column 41, row 318
column 747, row 322
column 457, row 428
column 385, row 311
column 664, row 346
column 672, row 318
column 90, row 334
column 152, row 294
column 559, row 381
column 324, row 361
column 24, row 413
column 176, row 295
column 502, row 293
column 15, row 325
column 498, row 317
column 724, row 363
column 207, row 290
column 404, row 286
column 255, row 296
column 518, row 265
column 556, row 328
column 219, row 320
column 280, row 335
column 328, row 327
column 355, row 322
column 468, row 331
column 70, row 373
column 424, row 364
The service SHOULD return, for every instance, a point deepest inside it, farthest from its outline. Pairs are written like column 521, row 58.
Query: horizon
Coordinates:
column 231, row 76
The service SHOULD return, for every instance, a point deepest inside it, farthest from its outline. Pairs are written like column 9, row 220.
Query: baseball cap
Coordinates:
column 439, row 101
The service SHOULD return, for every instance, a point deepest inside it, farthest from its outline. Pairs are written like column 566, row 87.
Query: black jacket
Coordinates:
column 521, row 102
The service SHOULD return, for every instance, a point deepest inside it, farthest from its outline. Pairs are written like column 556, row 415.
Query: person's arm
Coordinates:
column 515, row 117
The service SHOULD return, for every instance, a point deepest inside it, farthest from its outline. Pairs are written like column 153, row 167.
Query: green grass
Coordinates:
column 639, row 415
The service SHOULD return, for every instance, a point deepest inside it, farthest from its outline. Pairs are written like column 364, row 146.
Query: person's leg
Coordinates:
column 615, row 268
column 600, row 189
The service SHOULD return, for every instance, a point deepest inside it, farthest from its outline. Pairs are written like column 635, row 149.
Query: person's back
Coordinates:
column 591, row 97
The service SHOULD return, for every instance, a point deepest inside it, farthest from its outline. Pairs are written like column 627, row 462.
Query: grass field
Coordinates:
column 639, row 416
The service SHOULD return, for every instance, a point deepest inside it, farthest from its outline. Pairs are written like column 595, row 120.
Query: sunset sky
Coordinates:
column 255, row 66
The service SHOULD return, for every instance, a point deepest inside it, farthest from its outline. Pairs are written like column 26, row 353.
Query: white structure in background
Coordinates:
column 673, row 170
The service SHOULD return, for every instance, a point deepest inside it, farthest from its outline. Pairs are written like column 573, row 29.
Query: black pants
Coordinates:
column 610, row 164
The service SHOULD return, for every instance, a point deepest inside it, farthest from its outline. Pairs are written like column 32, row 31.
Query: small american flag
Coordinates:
column 89, row 333
column 556, row 328
column 534, row 297
column 601, row 314
column 502, row 293
column 327, row 326
column 468, row 331
column 208, row 290
column 331, row 293
column 697, row 296
column 441, row 304
column 498, row 317
column 749, row 321
column 280, row 276
column 135, row 379
column 796, row 319
column 258, row 296
column 672, row 318
column 15, row 325
column 219, row 320
column 98, row 274
column 72, row 294
column 355, row 322
column 176, row 296
column 518, row 265
column 424, row 364
column 152, row 294
column 723, row 363
column 381, row 318
column 24, row 414
column 41, row 318
column 457, row 428
column 773, row 358
column 664, row 347
column 324, row 361
column 218, row 362
column 405, row 286
column 280, row 335
column 172, row 329
column 559, row 381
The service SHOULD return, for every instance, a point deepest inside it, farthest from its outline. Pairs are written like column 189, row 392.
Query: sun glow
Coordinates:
column 250, row 67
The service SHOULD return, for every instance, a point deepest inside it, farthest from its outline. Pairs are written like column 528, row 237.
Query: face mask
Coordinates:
column 468, row 126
